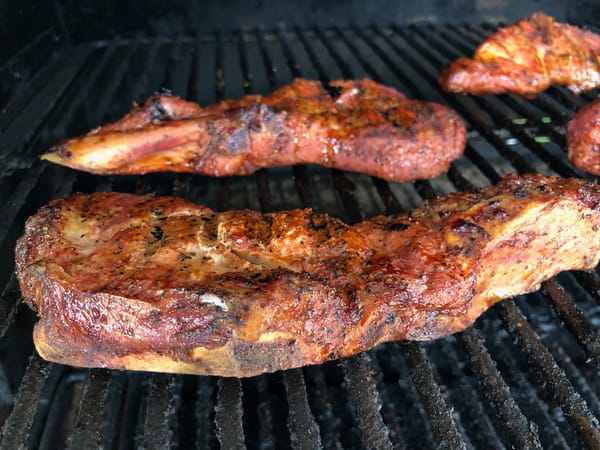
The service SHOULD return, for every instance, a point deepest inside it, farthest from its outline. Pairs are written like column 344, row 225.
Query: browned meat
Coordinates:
column 147, row 283
column 583, row 138
column 526, row 58
column 359, row 126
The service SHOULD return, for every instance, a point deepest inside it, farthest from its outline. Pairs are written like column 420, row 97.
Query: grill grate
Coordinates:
column 519, row 378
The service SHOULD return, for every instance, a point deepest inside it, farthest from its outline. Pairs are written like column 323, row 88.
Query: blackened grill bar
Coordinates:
column 473, row 390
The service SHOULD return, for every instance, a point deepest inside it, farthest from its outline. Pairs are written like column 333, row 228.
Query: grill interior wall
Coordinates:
column 525, row 375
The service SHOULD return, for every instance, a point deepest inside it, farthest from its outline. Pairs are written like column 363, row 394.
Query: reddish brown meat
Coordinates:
column 145, row 283
column 526, row 58
column 583, row 138
column 359, row 126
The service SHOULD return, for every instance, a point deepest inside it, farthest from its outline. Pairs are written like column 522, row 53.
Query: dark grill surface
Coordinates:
column 525, row 376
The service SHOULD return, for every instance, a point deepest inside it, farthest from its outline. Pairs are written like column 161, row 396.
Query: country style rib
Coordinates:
column 359, row 126
column 526, row 58
column 161, row 284
column 583, row 138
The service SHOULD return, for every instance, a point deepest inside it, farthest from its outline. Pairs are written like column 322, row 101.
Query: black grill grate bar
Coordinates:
column 304, row 431
column 573, row 318
column 587, row 388
column 112, row 418
column 443, row 426
column 521, row 432
column 163, row 399
column 500, row 111
column 87, row 432
column 554, row 378
column 228, row 414
column 529, row 399
column 16, row 429
column 590, row 280
column 360, row 383
column 467, row 402
column 9, row 303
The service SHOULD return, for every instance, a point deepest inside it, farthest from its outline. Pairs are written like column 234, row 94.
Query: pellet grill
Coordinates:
column 525, row 376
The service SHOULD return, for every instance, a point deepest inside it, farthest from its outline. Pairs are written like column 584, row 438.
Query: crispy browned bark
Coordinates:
column 526, row 58
column 358, row 126
column 158, row 283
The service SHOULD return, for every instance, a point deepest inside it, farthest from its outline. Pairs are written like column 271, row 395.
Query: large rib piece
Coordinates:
column 358, row 126
column 526, row 58
column 150, row 283
column 583, row 138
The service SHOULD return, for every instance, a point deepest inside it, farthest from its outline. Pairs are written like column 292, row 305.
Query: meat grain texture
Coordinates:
column 359, row 126
column 583, row 138
column 161, row 284
column 526, row 58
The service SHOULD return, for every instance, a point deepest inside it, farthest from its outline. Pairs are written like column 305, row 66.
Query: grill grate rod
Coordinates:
column 16, row 429
column 228, row 414
column 522, row 433
column 163, row 399
column 444, row 428
column 304, row 431
column 87, row 432
column 554, row 378
column 573, row 318
column 360, row 383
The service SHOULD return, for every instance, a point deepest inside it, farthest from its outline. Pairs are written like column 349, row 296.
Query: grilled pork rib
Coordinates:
column 583, row 138
column 526, row 58
column 352, row 125
column 157, row 283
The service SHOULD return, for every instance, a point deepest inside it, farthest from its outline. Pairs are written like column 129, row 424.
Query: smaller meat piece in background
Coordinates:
column 354, row 125
column 583, row 138
column 526, row 58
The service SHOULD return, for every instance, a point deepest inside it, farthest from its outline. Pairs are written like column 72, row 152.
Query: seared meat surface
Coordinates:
column 358, row 126
column 158, row 283
column 583, row 138
column 526, row 58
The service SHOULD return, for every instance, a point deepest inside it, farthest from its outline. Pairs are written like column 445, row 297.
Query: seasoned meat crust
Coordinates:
column 358, row 126
column 526, row 58
column 161, row 284
column 583, row 138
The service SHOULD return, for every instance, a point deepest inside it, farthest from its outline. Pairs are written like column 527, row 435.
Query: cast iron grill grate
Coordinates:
column 525, row 376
